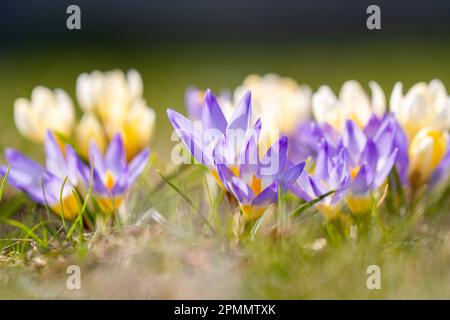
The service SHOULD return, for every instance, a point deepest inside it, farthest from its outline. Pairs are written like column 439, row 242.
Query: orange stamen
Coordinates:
column 109, row 180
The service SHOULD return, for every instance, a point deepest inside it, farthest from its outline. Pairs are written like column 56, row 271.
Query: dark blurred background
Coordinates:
column 141, row 22
column 176, row 43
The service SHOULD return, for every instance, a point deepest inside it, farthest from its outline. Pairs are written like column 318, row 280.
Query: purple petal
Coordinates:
column 194, row 102
column 267, row 196
column 372, row 126
column 115, row 158
column 354, row 140
column 442, row 171
column 240, row 119
column 179, row 121
column 212, row 116
column 363, row 180
column 202, row 153
column 52, row 187
column 30, row 184
column 384, row 169
column 302, row 187
column 137, row 166
column 370, row 155
column 55, row 161
column 384, row 138
column 321, row 168
column 96, row 159
column 316, row 187
column 274, row 160
column 243, row 193
column 225, row 175
column 98, row 185
column 249, row 160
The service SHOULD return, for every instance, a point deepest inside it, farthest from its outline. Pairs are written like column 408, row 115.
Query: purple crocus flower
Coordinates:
column 193, row 99
column 400, row 142
column 330, row 174
column 201, row 138
column 354, row 170
column 112, row 175
column 256, row 182
column 370, row 161
column 45, row 184
column 305, row 140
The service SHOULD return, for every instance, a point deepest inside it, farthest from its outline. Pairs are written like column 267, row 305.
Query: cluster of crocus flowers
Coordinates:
column 351, row 142
column 229, row 149
column 65, row 179
column 111, row 103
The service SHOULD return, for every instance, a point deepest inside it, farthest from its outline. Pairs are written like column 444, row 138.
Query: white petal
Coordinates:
column 378, row 99
column 323, row 101
column 22, row 117
column 135, row 83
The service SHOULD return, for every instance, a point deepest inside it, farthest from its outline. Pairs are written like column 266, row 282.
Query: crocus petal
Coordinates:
column 52, row 187
column 212, row 116
column 72, row 160
column 199, row 144
column 274, row 160
column 316, row 186
column 137, row 166
column 240, row 119
column 55, row 161
column 442, row 171
column 96, row 159
column 243, row 193
column 353, row 140
column 372, row 126
column 225, row 175
column 384, row 138
column 384, row 169
column 31, row 185
column 98, row 185
column 193, row 99
column 179, row 121
column 292, row 174
column 201, row 152
column 363, row 180
column 224, row 152
column 321, row 168
column 267, row 196
column 249, row 161
column 22, row 163
column 115, row 157
column 370, row 155
column 340, row 190
column 302, row 187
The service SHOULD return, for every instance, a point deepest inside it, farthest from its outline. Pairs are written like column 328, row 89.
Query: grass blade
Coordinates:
column 2, row 187
column 309, row 204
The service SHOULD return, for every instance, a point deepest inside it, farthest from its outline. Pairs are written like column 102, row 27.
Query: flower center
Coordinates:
column 109, row 180
column 354, row 172
column 256, row 185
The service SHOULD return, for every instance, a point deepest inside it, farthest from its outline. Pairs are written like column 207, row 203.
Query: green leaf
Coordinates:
column 309, row 204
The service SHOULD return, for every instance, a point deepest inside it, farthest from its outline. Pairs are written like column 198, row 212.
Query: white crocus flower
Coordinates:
column 47, row 109
column 280, row 103
column 424, row 105
column 116, row 99
column 352, row 103
column 426, row 151
column 87, row 131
